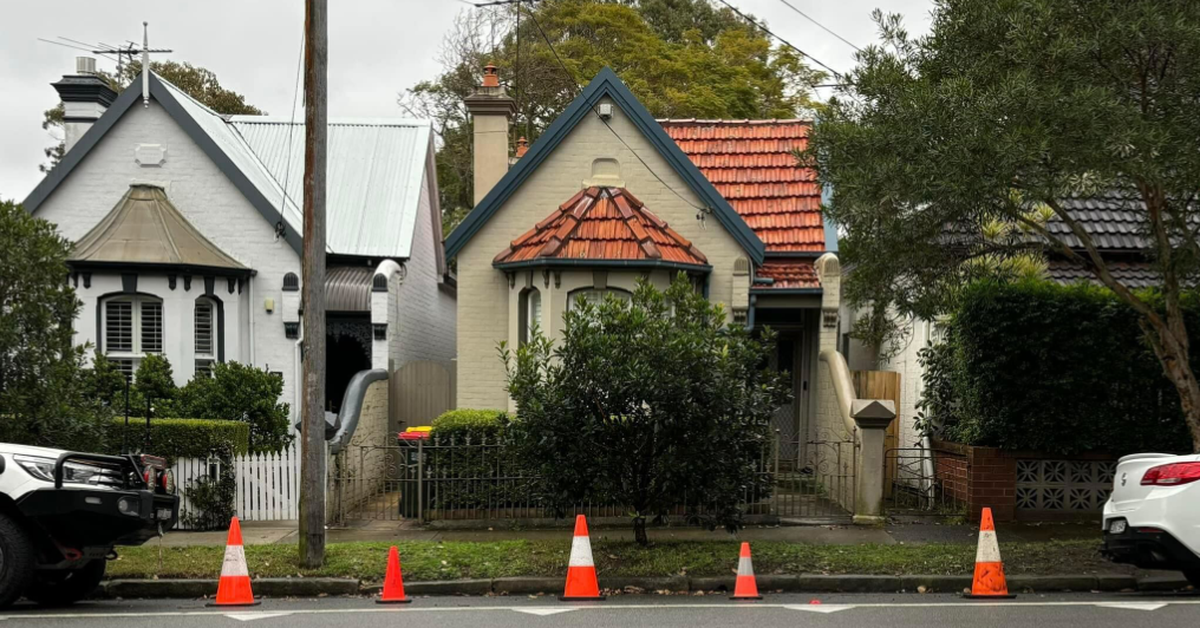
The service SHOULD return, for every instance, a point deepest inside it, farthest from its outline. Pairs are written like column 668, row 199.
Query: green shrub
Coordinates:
column 469, row 423
column 212, row 497
column 238, row 392
column 154, row 380
column 1061, row 369
column 181, row 438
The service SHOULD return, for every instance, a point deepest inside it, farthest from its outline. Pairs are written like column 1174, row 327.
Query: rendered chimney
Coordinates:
column 85, row 97
column 492, row 109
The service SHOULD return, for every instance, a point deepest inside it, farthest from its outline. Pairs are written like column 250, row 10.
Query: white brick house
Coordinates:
column 188, row 229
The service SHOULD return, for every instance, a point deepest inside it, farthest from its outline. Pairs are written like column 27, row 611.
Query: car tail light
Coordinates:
column 1172, row 474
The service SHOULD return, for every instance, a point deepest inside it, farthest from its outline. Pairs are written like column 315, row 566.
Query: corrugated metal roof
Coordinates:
column 376, row 168
column 348, row 288
column 375, row 171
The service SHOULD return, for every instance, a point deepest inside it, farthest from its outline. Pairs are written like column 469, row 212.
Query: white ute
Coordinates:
column 62, row 513
column 1152, row 518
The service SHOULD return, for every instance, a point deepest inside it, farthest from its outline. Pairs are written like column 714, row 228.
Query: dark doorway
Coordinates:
column 347, row 351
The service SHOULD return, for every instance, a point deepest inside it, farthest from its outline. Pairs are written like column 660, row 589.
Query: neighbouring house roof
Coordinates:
column 753, row 165
column 376, row 170
column 371, row 203
column 606, row 225
column 606, row 84
column 787, row 274
column 145, row 228
column 1114, row 222
column 1133, row 273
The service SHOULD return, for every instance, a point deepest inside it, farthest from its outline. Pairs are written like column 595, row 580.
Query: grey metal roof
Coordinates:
column 348, row 288
column 376, row 169
column 1114, row 221
column 1134, row 274
column 145, row 228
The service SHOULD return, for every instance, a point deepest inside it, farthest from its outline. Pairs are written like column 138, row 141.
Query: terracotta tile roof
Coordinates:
column 751, row 163
column 788, row 273
column 602, row 224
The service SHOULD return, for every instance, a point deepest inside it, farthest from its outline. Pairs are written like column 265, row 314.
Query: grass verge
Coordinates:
column 455, row 560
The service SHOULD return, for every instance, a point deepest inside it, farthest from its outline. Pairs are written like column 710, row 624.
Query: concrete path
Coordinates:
column 260, row 533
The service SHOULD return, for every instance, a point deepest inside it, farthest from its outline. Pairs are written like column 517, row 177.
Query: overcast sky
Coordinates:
column 376, row 49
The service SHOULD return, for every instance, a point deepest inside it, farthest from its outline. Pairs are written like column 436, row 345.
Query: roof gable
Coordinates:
column 606, row 84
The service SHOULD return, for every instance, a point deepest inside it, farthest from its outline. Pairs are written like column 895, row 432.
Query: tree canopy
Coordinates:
column 197, row 82
column 1003, row 113
column 681, row 58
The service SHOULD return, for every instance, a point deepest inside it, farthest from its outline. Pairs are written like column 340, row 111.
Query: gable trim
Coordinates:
column 192, row 128
column 607, row 83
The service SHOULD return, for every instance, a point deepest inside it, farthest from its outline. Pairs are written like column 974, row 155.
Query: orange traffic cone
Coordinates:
column 989, row 582
column 393, row 581
column 746, row 587
column 234, row 587
column 581, row 571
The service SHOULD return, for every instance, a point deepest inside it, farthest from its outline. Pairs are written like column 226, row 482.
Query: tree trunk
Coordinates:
column 639, row 531
column 1173, row 355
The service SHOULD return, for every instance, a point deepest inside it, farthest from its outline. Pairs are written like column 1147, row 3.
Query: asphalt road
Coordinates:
column 839, row 611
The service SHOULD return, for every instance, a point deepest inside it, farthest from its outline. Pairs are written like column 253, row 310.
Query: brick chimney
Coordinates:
column 85, row 97
column 491, row 109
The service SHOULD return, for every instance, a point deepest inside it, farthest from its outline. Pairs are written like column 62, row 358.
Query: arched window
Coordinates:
column 207, row 333
column 596, row 296
column 133, row 328
column 531, row 313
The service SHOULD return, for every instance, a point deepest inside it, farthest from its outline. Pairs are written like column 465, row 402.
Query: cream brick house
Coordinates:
column 609, row 195
column 188, row 229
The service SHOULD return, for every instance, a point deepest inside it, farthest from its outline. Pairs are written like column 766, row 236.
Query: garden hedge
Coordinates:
column 183, row 438
column 1061, row 369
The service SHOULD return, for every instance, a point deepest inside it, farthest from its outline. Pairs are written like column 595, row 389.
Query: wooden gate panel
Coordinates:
column 419, row 392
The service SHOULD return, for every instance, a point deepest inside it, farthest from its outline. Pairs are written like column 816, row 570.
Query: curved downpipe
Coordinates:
column 352, row 403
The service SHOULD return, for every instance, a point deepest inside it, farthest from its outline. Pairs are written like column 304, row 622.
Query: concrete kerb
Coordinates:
column 768, row 583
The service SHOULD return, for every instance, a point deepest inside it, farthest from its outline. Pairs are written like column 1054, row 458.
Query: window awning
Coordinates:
column 145, row 229
column 348, row 288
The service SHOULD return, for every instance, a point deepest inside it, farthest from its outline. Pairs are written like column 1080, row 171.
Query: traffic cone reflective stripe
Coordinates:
column 393, row 581
column 581, row 571
column 989, row 581
column 746, row 587
column 234, row 586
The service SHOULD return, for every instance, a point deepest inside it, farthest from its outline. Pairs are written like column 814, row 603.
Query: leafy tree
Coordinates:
column 199, row 83
column 155, row 381
column 682, row 58
column 239, row 392
column 1015, row 106
column 40, row 368
column 649, row 404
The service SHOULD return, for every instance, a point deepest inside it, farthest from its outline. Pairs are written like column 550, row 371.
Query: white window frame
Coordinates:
column 136, row 353
column 529, row 316
column 203, row 361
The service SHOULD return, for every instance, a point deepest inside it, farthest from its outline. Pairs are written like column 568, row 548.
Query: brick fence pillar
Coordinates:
column 991, row 482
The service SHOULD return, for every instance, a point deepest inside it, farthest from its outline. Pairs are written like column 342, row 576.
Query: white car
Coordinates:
column 62, row 513
column 1152, row 518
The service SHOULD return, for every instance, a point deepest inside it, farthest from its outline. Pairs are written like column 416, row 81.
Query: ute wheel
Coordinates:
column 67, row 586
column 1193, row 576
column 16, row 560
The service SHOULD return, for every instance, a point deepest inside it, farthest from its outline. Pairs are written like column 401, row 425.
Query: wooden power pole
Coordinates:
column 312, row 297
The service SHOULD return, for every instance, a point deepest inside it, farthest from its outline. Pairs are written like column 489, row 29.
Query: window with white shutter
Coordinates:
column 205, row 334
column 132, row 328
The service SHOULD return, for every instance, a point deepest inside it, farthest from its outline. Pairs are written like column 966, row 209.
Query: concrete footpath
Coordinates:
column 285, row 532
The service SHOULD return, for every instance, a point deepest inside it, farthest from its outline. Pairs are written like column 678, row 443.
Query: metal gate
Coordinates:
column 924, row 483
column 481, row 481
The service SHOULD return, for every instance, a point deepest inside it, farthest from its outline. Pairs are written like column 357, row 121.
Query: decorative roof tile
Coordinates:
column 752, row 163
column 788, row 274
column 602, row 224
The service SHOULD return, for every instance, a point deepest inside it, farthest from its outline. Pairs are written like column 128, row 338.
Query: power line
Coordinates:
column 781, row 40
column 575, row 83
column 281, row 226
column 823, row 27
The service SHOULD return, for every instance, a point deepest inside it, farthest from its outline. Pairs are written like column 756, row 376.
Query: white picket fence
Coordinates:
column 268, row 485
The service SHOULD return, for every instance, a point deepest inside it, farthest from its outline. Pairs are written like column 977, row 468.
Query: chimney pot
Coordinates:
column 522, row 147
column 490, row 77
column 85, row 65
column 85, row 97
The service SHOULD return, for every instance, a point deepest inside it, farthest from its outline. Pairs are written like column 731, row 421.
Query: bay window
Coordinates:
column 133, row 329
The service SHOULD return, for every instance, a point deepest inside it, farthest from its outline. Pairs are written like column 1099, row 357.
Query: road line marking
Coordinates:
column 251, row 616
column 819, row 608
column 545, row 610
column 1137, row 606
column 714, row 606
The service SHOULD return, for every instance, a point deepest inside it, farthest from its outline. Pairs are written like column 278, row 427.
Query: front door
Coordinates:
column 789, row 418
